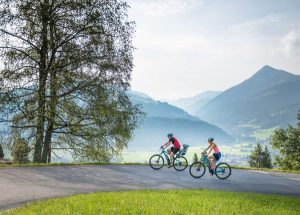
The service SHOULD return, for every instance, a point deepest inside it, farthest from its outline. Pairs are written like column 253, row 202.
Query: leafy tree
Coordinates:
column 67, row 68
column 20, row 151
column 1, row 152
column 298, row 117
column 287, row 141
column 260, row 158
column 195, row 158
column 266, row 161
column 255, row 159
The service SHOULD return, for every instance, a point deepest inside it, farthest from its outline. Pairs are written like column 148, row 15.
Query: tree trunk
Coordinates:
column 42, row 84
column 46, row 155
column 52, row 106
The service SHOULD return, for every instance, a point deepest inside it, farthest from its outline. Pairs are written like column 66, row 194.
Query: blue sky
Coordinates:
column 185, row 47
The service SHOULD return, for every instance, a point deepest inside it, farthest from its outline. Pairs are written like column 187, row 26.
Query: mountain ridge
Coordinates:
column 256, row 99
column 193, row 103
column 163, row 118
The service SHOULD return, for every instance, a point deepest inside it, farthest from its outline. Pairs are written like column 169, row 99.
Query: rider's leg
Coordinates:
column 169, row 153
column 171, row 158
column 212, row 159
column 212, row 165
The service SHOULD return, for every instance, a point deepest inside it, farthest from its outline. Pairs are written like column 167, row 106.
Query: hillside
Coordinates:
column 270, row 98
column 157, row 108
column 193, row 104
column 163, row 118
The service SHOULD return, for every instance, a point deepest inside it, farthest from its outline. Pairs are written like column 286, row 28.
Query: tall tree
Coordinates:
column 67, row 67
column 267, row 161
column 256, row 157
column 260, row 158
column 287, row 142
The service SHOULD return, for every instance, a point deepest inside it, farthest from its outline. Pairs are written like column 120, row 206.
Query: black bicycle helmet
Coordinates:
column 211, row 139
column 170, row 135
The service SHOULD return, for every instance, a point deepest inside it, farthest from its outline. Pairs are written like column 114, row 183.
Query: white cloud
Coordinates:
column 184, row 48
column 290, row 43
column 171, row 43
column 158, row 8
column 255, row 24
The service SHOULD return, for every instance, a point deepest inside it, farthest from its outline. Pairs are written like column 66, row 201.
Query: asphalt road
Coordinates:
column 26, row 184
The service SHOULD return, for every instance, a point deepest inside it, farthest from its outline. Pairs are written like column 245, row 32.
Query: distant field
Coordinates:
column 236, row 154
column 165, row 202
column 263, row 135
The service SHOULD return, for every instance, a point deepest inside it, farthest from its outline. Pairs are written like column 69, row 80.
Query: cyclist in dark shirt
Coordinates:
column 174, row 149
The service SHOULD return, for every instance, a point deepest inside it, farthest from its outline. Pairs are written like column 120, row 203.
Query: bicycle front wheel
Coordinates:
column 156, row 162
column 197, row 169
column 180, row 163
column 223, row 170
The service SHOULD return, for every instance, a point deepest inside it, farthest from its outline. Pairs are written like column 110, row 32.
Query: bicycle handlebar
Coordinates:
column 204, row 153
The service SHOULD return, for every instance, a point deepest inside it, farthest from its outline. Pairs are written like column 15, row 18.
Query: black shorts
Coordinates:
column 217, row 155
column 174, row 150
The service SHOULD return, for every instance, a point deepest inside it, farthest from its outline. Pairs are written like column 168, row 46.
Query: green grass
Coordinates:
column 65, row 164
column 165, row 202
column 265, row 169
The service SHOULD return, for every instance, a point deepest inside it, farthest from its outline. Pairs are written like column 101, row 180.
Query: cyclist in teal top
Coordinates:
column 174, row 149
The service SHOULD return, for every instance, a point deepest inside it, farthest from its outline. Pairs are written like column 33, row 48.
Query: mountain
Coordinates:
column 193, row 104
column 163, row 118
column 268, row 99
column 157, row 108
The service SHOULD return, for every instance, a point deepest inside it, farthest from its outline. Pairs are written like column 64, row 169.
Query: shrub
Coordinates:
column 20, row 151
column 195, row 158
column 1, row 152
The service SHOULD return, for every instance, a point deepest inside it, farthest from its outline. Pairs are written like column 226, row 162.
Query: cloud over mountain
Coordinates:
column 290, row 43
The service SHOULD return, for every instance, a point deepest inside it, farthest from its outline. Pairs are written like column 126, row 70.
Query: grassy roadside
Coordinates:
column 265, row 169
column 96, row 163
column 65, row 164
column 165, row 202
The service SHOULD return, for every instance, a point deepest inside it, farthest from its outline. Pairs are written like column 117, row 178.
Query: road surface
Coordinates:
column 26, row 184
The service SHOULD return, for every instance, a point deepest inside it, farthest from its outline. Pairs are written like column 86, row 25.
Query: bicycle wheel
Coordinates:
column 180, row 163
column 197, row 169
column 223, row 170
column 156, row 162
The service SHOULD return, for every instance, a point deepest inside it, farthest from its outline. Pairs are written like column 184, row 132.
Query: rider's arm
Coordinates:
column 212, row 147
column 206, row 149
column 166, row 144
column 209, row 151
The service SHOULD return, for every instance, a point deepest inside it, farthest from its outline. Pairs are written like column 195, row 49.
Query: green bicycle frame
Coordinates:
column 163, row 152
column 205, row 161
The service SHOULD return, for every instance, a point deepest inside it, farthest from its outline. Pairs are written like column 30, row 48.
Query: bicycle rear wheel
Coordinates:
column 223, row 170
column 180, row 163
column 156, row 162
column 197, row 169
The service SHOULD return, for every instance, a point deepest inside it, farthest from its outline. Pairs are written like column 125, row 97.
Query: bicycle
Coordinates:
column 197, row 169
column 180, row 163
